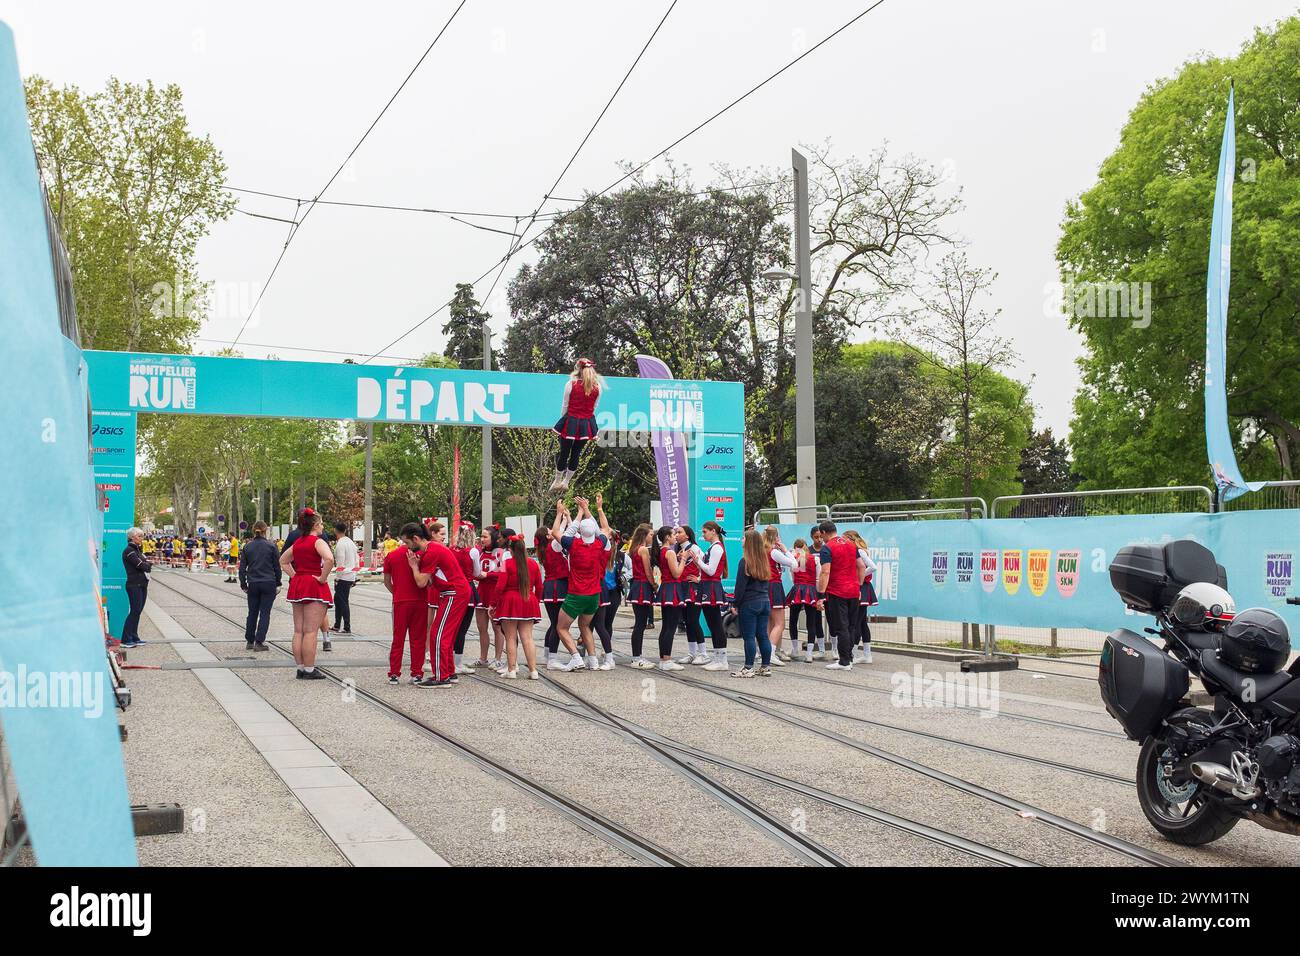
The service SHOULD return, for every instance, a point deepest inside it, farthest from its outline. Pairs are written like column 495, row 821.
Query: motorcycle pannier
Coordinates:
column 1139, row 683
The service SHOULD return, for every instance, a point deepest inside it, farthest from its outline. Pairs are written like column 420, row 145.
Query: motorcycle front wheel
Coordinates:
column 1186, row 814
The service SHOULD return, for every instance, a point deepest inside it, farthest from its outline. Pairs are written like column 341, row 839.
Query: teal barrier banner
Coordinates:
column 57, row 704
column 207, row 385
column 1053, row 572
column 112, row 436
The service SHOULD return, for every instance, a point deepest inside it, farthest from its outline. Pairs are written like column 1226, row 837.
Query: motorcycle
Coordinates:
column 1201, row 770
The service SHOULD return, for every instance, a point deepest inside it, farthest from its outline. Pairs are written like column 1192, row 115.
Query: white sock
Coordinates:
column 457, row 658
column 308, row 670
column 576, row 658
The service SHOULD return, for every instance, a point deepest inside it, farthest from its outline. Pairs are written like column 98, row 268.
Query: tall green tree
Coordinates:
column 1139, row 415
column 989, row 415
column 464, row 328
column 1045, row 466
column 133, row 190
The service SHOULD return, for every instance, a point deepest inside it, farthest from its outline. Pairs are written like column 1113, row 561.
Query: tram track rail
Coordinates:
column 682, row 759
column 1028, row 811
column 611, row 832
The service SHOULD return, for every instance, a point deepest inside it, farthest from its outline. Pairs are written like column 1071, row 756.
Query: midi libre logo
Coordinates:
column 163, row 384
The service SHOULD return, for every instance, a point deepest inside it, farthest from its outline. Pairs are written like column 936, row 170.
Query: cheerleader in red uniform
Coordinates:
column 577, row 423
column 710, row 596
column 555, row 587
column 309, row 561
column 484, row 575
column 467, row 555
column 500, row 552
column 519, row 607
column 672, row 597
column 803, row 597
column 684, row 543
column 780, row 561
column 868, row 596
column 641, row 592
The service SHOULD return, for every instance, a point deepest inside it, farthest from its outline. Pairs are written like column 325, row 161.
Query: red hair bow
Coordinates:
column 516, row 537
column 308, row 511
column 586, row 363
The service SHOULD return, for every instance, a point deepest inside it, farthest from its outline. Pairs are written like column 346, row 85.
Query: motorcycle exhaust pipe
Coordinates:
column 1273, row 820
column 1220, row 777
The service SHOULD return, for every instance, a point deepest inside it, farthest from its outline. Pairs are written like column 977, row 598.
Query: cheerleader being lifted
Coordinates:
column 577, row 424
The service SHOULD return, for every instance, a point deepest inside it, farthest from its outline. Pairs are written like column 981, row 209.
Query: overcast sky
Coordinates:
column 1018, row 101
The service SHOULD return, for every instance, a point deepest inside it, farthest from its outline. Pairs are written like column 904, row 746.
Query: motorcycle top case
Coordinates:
column 1149, row 576
column 1139, row 683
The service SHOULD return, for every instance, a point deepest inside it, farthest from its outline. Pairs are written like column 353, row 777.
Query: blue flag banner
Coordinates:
column 1218, row 439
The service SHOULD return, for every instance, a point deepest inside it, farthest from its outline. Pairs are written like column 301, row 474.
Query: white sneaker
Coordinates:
column 744, row 672
column 783, row 656
column 717, row 666
column 641, row 664
column 808, row 658
column 837, row 666
column 533, row 675
column 592, row 663
column 576, row 664
column 777, row 662
column 670, row 666
column 559, row 483
column 509, row 674
column 478, row 663
column 866, row 656
column 464, row 669
column 686, row 659
column 819, row 655
column 557, row 665
column 700, row 659
column 607, row 664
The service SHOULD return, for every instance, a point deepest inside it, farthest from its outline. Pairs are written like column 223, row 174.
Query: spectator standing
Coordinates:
column 137, row 586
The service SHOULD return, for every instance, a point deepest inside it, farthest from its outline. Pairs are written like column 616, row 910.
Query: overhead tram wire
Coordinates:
column 301, row 219
column 622, row 179
column 517, row 244
column 171, row 177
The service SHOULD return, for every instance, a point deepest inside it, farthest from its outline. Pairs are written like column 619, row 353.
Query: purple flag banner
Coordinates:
column 670, row 455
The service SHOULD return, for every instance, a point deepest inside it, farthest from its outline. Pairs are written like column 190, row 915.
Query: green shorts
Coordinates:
column 580, row 605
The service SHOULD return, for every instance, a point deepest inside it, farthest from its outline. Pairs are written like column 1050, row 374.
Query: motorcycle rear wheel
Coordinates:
column 1187, row 815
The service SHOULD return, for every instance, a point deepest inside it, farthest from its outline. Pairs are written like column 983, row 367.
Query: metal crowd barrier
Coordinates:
column 1274, row 495
column 911, row 508
column 1174, row 499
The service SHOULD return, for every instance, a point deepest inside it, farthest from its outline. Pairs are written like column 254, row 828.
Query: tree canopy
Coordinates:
column 1139, row 414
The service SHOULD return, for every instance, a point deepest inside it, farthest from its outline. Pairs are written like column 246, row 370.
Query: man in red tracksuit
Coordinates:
column 410, row 615
column 436, row 567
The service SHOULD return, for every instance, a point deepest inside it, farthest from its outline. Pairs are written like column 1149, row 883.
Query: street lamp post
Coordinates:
column 805, row 429
column 805, row 436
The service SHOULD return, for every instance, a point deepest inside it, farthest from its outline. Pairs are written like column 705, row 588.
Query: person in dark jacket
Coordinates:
column 137, row 586
column 260, row 577
column 753, row 603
